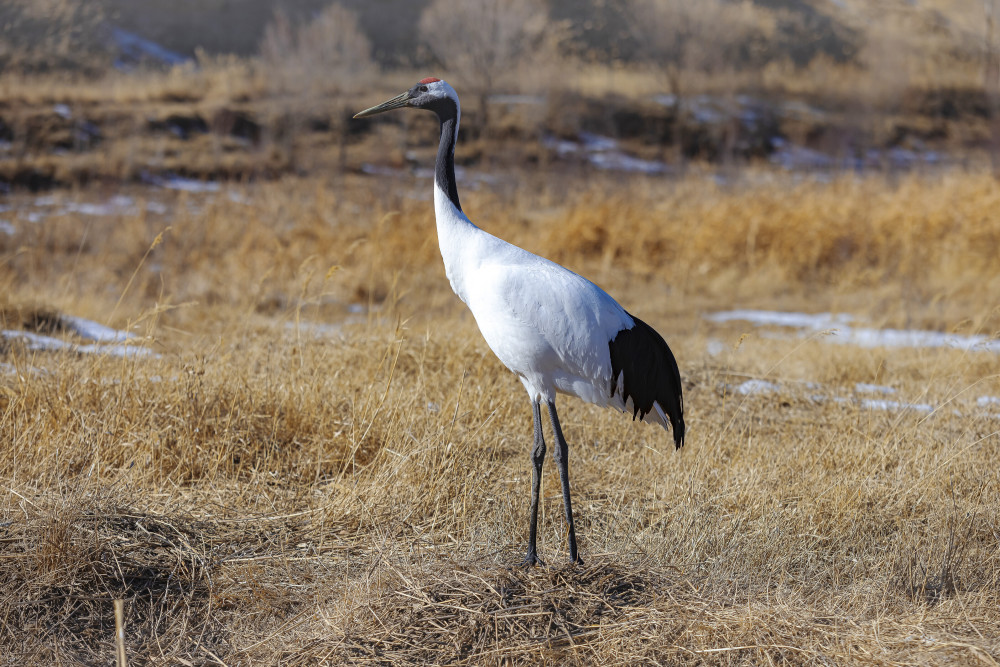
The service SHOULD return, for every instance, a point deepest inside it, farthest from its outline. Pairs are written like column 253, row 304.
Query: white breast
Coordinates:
column 547, row 324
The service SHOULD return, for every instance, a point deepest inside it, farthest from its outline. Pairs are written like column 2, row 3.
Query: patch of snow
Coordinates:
column 704, row 112
column 7, row 228
column 62, row 110
column 34, row 341
column 88, row 209
column 860, row 336
column 596, row 142
column 818, row 321
column 795, row 157
column 791, row 156
column 115, row 205
column 864, row 337
column 618, row 161
column 755, row 386
column 983, row 401
column 134, row 49
column 187, row 184
column 895, row 406
column 175, row 182
column 93, row 331
column 40, row 343
column 865, row 388
column 603, row 153
column 117, row 350
column 799, row 108
column 562, row 147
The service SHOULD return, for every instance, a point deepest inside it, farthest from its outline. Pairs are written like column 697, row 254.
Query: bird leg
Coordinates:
column 561, row 456
column 537, row 458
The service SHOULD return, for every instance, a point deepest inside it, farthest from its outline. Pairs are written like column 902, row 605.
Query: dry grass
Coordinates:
column 267, row 491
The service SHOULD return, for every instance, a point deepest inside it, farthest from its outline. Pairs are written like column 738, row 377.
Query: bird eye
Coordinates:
column 423, row 89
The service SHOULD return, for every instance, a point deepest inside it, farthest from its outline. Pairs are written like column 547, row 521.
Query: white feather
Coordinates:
column 545, row 323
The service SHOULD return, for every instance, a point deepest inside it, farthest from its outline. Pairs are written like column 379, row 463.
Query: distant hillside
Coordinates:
column 223, row 26
column 59, row 34
column 597, row 26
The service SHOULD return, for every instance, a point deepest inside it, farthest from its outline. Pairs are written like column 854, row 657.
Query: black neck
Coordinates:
column 444, row 167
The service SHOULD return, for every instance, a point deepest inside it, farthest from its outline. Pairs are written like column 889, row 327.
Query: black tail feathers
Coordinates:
column 650, row 374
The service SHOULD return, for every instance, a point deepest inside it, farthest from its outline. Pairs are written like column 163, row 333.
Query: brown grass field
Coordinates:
column 323, row 463
column 306, row 454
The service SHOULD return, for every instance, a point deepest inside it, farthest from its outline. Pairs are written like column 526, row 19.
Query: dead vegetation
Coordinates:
column 316, row 459
column 839, row 78
column 323, row 462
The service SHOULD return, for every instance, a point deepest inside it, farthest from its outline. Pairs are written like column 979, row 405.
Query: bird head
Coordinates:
column 430, row 93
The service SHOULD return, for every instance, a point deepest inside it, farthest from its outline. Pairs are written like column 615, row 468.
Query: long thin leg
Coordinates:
column 561, row 456
column 537, row 459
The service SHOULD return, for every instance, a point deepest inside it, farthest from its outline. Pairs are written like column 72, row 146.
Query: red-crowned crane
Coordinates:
column 557, row 331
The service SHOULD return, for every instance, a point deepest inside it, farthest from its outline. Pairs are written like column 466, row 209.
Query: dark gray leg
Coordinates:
column 561, row 456
column 537, row 458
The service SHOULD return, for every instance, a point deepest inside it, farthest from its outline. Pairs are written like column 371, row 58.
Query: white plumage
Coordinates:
column 548, row 325
column 557, row 331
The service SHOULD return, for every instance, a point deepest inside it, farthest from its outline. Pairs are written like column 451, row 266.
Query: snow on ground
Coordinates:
column 839, row 325
column 603, row 153
column 93, row 331
column 106, row 340
column 867, row 396
column 819, row 394
column 39, row 209
column 755, row 386
column 39, row 343
column 173, row 182
column 134, row 49
column 816, row 322
column 894, row 406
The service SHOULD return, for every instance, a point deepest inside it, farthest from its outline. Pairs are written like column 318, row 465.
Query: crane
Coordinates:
column 557, row 331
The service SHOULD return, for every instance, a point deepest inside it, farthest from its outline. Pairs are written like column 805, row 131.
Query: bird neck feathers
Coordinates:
column 444, row 168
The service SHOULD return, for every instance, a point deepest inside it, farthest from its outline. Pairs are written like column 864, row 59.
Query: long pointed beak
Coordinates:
column 398, row 102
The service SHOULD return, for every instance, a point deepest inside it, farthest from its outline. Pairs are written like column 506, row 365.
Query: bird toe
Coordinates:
column 531, row 560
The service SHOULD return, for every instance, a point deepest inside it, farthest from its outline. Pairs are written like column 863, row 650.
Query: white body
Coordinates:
column 548, row 325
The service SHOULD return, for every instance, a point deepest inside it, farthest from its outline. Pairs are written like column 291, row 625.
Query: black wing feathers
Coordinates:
column 651, row 374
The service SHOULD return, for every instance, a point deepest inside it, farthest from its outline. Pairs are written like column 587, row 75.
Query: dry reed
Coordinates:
column 325, row 464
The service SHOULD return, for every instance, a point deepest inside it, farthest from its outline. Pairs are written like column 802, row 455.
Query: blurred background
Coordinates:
column 237, row 89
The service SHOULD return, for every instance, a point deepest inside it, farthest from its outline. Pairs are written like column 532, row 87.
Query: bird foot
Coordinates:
column 531, row 560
